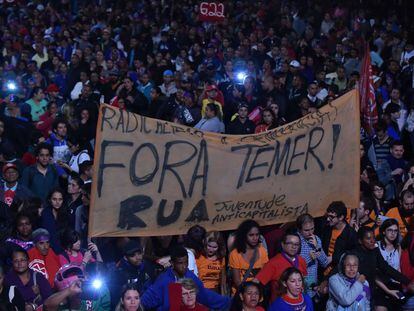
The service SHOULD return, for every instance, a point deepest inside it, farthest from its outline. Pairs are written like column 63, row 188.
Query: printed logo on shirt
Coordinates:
column 38, row 265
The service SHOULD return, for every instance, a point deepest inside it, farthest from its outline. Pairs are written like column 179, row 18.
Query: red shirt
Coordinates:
column 9, row 196
column 47, row 265
column 198, row 307
column 272, row 271
column 406, row 268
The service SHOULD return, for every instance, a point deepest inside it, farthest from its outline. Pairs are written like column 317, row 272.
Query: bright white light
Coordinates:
column 241, row 76
column 97, row 284
column 11, row 86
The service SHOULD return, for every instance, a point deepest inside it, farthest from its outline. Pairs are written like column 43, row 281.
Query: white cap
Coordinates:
column 376, row 79
column 294, row 63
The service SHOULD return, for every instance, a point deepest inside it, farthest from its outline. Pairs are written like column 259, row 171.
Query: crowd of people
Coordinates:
column 268, row 63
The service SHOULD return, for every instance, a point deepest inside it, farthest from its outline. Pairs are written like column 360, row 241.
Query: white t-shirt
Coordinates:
column 78, row 159
column 392, row 258
column 192, row 265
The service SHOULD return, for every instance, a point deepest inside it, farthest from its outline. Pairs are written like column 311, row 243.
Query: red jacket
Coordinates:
column 47, row 265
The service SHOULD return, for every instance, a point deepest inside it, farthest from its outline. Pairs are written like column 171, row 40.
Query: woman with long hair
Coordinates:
column 249, row 298
column 130, row 299
column 292, row 297
column 55, row 217
column 378, row 194
column 73, row 253
column 269, row 121
column 212, row 121
column 248, row 251
column 211, row 263
column 389, row 246
column 75, row 198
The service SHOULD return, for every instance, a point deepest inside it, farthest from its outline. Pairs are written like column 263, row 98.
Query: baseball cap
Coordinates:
column 211, row 87
column 52, row 88
column 294, row 64
column 132, row 247
column 9, row 166
column 168, row 73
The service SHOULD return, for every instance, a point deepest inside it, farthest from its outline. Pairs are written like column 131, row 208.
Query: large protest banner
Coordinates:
column 153, row 177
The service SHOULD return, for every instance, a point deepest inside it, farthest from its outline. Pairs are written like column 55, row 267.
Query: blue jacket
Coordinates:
column 156, row 296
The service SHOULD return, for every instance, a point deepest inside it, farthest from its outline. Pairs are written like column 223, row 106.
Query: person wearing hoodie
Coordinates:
column 348, row 289
column 42, row 258
column 157, row 295
column 132, row 269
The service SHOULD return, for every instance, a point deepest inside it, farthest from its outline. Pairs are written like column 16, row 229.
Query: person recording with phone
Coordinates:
column 311, row 250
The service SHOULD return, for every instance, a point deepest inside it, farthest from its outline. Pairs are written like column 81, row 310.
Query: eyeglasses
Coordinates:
column 189, row 294
column 351, row 266
column 292, row 244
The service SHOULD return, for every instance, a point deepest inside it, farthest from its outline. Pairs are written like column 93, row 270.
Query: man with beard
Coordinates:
column 42, row 176
column 337, row 236
column 404, row 213
column 288, row 257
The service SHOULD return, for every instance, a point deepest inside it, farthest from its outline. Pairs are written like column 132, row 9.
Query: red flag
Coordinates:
column 369, row 110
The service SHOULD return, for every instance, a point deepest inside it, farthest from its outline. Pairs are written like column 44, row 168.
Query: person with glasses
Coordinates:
column 348, row 289
column 337, row 236
column 189, row 294
column 404, row 213
column 288, row 257
column 389, row 246
column 381, row 206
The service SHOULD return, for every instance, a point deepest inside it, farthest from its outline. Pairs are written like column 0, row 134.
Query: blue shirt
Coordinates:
column 156, row 296
column 312, row 265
